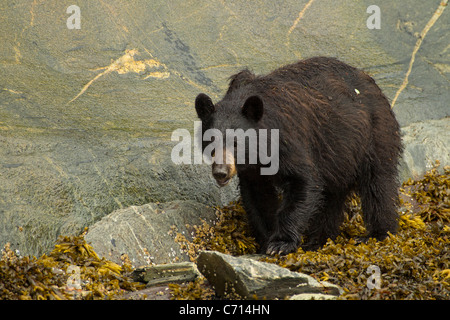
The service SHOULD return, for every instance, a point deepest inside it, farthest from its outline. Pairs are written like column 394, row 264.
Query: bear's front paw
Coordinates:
column 281, row 247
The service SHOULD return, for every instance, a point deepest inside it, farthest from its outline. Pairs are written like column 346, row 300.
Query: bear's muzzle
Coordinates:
column 224, row 169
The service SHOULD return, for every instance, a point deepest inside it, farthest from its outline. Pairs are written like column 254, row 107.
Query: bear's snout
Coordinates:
column 222, row 173
column 223, row 167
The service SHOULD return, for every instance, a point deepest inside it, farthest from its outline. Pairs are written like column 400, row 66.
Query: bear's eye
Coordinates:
column 213, row 151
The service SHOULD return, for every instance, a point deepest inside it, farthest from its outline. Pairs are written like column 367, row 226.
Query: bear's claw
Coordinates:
column 281, row 247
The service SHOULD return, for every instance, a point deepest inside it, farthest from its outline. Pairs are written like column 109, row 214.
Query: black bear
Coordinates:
column 336, row 134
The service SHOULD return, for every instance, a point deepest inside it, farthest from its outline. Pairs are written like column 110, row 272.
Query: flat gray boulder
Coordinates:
column 248, row 277
column 145, row 233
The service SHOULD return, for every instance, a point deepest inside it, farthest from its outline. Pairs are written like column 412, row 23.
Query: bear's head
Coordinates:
column 229, row 133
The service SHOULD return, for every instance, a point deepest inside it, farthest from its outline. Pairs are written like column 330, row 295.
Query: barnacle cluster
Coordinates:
column 412, row 264
column 71, row 271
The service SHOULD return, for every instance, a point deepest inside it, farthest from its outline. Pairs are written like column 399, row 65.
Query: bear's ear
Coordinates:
column 204, row 106
column 253, row 108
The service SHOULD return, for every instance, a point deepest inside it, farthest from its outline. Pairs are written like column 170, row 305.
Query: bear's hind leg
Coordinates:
column 378, row 192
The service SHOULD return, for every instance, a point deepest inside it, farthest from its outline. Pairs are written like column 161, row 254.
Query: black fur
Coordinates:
column 333, row 140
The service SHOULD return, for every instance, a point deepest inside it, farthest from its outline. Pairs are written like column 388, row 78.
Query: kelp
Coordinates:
column 230, row 234
column 432, row 194
column 72, row 270
column 195, row 290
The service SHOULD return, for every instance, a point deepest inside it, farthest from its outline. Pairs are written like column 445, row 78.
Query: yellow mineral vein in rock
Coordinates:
column 157, row 74
column 419, row 41
column 125, row 64
column 299, row 17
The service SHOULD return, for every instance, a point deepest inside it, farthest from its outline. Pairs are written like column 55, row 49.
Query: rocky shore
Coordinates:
column 217, row 260
column 238, row 277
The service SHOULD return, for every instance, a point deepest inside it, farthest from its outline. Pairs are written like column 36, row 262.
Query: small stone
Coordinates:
column 166, row 273
column 313, row 296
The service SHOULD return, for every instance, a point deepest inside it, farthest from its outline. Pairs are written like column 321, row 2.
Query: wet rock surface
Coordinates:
column 424, row 143
column 249, row 278
column 145, row 233
column 86, row 115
